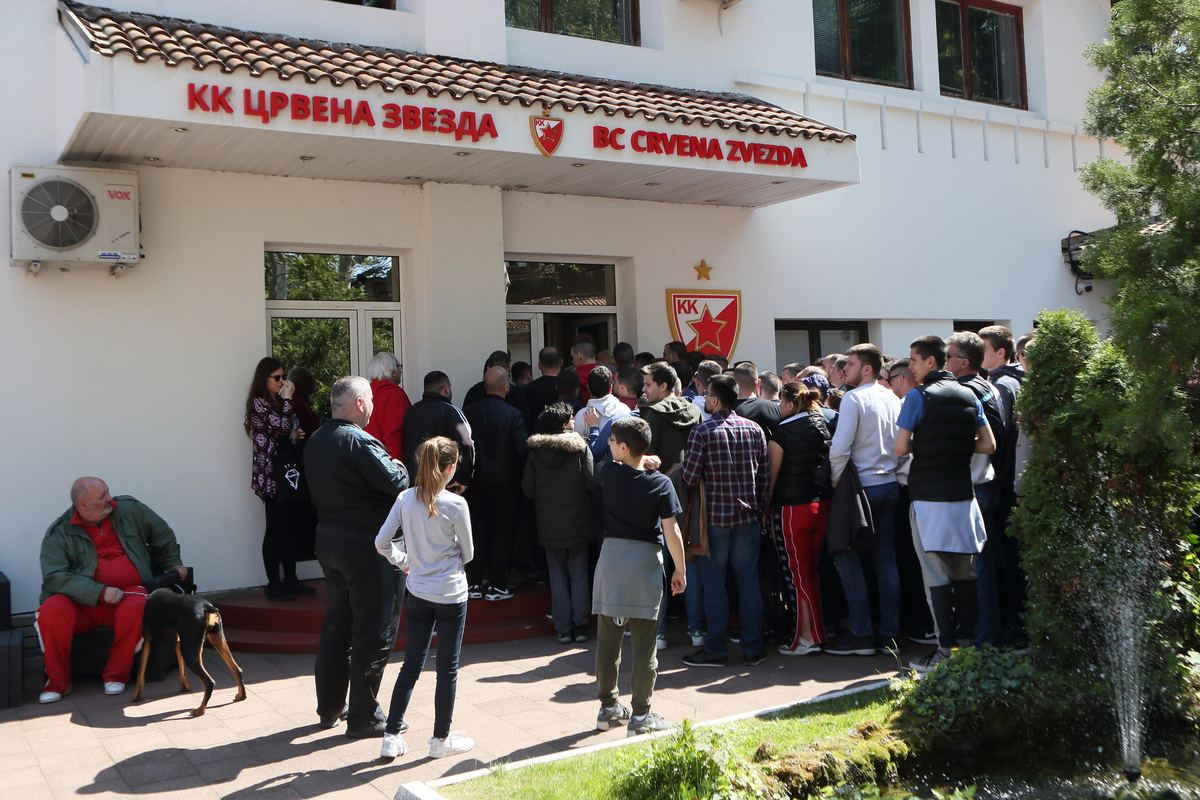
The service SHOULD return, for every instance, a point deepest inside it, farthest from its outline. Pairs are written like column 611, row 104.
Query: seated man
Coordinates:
column 94, row 560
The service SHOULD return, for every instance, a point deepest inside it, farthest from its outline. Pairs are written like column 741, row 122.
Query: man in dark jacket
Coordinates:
column 749, row 404
column 517, row 399
column 544, row 391
column 433, row 415
column 671, row 418
column 353, row 483
column 560, row 478
column 500, row 442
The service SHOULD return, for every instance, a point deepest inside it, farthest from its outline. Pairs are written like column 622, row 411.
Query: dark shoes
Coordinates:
column 751, row 659
column 368, row 733
column 326, row 723
column 851, row 645
column 887, row 645
column 563, row 638
column 279, row 594
column 299, row 588
column 703, row 658
column 580, row 634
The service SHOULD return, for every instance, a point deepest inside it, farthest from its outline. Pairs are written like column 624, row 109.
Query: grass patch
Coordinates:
column 593, row 776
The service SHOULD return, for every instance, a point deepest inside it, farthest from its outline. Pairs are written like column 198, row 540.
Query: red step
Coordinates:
column 257, row 625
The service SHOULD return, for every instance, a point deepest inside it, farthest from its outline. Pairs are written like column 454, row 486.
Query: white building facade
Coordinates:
column 913, row 197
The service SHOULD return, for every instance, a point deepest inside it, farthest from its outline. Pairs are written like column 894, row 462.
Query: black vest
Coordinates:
column 805, row 446
column 944, row 441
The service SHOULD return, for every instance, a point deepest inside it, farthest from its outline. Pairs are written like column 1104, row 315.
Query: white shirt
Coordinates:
column 434, row 549
column 609, row 406
column 866, row 432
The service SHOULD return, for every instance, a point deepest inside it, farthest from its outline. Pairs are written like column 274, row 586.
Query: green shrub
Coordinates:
column 693, row 764
column 869, row 791
column 966, row 688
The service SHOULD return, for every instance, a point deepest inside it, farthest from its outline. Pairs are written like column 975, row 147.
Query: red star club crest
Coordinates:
column 707, row 321
column 547, row 133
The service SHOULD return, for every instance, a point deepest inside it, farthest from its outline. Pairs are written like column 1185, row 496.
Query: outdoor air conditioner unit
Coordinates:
column 72, row 217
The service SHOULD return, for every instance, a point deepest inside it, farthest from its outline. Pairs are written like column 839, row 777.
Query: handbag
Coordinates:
column 695, row 523
column 288, row 472
column 823, row 474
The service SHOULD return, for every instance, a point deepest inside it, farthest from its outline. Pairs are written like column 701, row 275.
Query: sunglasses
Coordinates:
column 278, row 377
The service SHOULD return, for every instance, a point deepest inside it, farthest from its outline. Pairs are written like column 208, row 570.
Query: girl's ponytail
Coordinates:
column 433, row 456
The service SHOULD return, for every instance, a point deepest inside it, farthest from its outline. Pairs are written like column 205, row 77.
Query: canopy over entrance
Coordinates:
column 274, row 105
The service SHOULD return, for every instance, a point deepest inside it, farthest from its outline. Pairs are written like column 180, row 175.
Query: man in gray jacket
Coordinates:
column 353, row 483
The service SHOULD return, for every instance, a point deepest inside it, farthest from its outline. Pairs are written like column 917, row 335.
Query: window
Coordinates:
column 535, row 283
column 605, row 20
column 981, row 52
column 972, row 325
column 864, row 40
column 808, row 341
column 331, row 313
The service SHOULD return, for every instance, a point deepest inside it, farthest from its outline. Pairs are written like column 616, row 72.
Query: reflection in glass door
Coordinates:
column 322, row 341
column 525, row 337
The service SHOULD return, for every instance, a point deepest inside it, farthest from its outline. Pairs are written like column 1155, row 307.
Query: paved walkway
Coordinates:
column 516, row 699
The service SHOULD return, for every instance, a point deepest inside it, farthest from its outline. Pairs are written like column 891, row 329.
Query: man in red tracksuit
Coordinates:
column 94, row 560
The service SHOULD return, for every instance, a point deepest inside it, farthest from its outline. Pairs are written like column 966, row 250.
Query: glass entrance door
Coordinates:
column 526, row 337
column 323, row 340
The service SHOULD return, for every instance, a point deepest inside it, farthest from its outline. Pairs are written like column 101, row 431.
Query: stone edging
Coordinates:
column 419, row 790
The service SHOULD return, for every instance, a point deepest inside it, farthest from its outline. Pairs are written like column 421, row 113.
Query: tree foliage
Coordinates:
column 1150, row 105
column 1105, row 516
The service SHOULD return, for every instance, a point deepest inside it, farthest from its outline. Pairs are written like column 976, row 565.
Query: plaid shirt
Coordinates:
column 730, row 453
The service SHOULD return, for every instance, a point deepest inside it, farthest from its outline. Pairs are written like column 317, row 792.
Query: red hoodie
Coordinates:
column 387, row 420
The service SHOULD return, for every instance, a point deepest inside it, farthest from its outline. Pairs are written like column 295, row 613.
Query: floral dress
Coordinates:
column 266, row 426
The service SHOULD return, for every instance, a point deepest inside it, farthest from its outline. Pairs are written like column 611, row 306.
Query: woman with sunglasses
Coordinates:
column 270, row 415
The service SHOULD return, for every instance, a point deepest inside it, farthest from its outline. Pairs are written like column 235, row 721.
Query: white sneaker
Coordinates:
column 800, row 649
column 393, row 746
column 49, row 697
column 452, row 745
column 114, row 688
column 662, row 642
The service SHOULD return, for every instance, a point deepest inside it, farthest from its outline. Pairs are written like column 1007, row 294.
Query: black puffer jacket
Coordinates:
column 500, row 440
column 352, row 479
column 805, row 447
column 560, row 478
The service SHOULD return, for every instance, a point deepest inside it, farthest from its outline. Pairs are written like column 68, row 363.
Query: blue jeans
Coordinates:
column 988, row 626
column 570, row 595
column 737, row 548
column 882, row 500
column 693, row 596
column 450, row 619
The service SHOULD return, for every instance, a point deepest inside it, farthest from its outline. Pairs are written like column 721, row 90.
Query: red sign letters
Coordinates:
column 683, row 146
column 318, row 108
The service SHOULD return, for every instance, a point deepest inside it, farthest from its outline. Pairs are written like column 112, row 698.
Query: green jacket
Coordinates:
column 69, row 556
column 671, row 420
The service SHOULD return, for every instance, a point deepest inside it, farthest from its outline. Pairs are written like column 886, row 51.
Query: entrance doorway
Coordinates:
column 529, row 332
column 550, row 304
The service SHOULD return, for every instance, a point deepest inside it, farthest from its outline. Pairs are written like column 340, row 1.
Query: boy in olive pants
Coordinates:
column 640, row 509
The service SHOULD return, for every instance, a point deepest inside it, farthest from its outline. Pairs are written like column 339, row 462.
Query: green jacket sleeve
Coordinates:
column 160, row 540
column 591, row 476
column 59, row 575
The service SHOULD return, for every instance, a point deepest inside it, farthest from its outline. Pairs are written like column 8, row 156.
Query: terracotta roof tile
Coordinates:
column 176, row 42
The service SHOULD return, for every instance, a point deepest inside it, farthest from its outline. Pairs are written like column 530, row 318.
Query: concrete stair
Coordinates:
column 257, row 625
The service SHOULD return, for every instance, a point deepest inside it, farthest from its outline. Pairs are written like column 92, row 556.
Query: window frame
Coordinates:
column 814, row 327
column 968, row 78
column 546, row 22
column 844, row 48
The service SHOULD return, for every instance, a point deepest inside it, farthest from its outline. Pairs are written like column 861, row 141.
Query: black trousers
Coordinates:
column 362, row 613
column 284, row 522
column 493, row 522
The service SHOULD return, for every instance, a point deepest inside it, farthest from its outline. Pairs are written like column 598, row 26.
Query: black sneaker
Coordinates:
column 703, row 658
column 299, row 588
column 498, row 593
column 928, row 637
column 327, row 723
column 563, row 638
column 755, row 658
column 366, row 733
column 277, row 593
column 887, row 645
column 734, row 633
column 851, row 645
column 475, row 591
column 580, row 634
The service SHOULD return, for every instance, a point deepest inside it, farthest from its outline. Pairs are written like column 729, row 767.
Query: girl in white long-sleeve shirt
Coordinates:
column 436, row 542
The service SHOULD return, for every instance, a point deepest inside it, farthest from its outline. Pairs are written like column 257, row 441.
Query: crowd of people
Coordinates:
column 822, row 510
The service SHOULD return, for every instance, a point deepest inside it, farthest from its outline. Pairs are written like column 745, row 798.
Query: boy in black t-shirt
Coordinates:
column 640, row 509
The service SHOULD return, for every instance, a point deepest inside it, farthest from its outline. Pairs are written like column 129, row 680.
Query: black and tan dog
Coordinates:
column 188, row 620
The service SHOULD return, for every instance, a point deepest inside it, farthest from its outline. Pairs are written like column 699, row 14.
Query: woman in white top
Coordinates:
column 428, row 535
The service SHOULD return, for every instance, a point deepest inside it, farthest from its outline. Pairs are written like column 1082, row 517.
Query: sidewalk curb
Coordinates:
column 420, row 790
